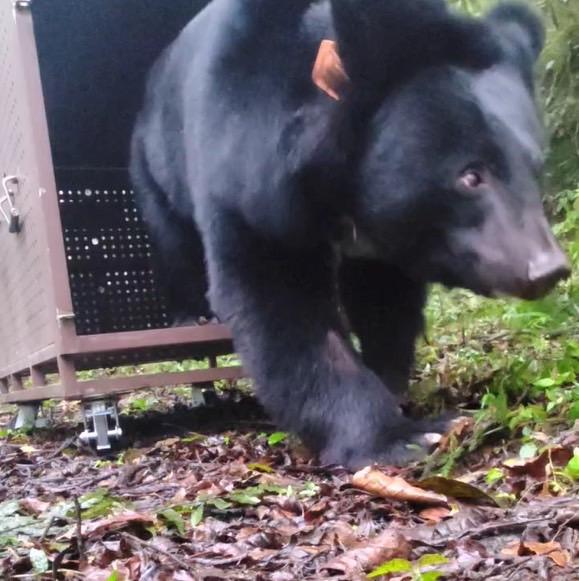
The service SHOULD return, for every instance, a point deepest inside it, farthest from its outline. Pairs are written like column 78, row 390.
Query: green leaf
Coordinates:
column 9, row 508
column 276, row 438
column 309, row 490
column 114, row 576
column 21, row 525
column 39, row 560
column 494, row 475
column 197, row 515
column 545, row 382
column 431, row 560
column 97, row 503
column 242, row 497
column 528, row 451
column 272, row 489
column 430, row 576
column 257, row 467
column 574, row 412
column 8, row 541
column 173, row 519
column 219, row 503
column 193, row 437
column 393, row 566
column 573, row 468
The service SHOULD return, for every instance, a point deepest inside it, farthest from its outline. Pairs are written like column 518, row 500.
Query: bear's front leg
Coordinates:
column 385, row 310
column 282, row 307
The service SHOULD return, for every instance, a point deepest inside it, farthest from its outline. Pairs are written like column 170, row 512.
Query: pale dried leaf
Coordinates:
column 393, row 487
column 33, row 506
column 456, row 489
column 367, row 555
column 435, row 514
column 116, row 522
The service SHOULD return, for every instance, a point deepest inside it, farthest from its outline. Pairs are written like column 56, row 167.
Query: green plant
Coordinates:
column 423, row 570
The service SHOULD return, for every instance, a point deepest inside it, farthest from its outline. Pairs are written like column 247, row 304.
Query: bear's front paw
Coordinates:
column 406, row 442
column 411, row 441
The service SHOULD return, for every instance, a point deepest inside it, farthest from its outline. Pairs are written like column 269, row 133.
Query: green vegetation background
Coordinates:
column 559, row 74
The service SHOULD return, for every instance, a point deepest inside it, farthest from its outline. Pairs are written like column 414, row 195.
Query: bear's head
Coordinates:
column 449, row 156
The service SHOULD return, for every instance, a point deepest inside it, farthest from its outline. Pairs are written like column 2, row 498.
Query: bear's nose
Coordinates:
column 545, row 271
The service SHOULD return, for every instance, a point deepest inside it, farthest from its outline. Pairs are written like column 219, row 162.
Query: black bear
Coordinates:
column 335, row 157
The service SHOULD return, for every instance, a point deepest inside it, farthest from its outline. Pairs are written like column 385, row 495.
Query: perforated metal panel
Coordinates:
column 108, row 254
column 26, row 323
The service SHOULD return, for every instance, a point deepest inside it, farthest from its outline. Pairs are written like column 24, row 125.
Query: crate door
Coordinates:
column 28, row 317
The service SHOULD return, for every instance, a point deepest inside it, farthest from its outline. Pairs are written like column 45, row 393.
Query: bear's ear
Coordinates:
column 519, row 26
column 382, row 41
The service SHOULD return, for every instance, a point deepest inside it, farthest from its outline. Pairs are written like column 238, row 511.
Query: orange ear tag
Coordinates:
column 328, row 73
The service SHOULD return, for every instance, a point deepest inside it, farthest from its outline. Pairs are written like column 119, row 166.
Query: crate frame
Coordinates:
column 57, row 348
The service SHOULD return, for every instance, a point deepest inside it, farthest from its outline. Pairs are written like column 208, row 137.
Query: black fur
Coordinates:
column 318, row 217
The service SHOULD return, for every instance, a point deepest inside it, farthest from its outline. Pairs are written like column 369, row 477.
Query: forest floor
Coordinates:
column 236, row 500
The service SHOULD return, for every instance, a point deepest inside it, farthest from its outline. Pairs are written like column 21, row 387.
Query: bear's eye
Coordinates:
column 471, row 179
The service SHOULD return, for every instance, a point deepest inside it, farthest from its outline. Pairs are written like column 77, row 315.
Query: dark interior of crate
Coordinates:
column 94, row 56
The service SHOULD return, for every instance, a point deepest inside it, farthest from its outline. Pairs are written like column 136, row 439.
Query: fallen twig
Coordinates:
column 79, row 538
column 147, row 545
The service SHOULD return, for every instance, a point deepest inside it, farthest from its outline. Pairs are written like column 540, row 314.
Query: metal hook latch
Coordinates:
column 10, row 185
column 22, row 4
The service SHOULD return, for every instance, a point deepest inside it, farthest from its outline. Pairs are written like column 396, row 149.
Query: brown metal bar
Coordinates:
column 37, row 376
column 33, row 394
column 109, row 342
column 60, row 295
column 67, row 372
column 16, row 382
column 115, row 385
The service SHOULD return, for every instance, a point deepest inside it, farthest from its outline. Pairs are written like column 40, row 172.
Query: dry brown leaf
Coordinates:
column 180, row 496
column 537, row 467
column 459, row 427
column 513, row 550
column 561, row 558
column 116, row 522
column 393, row 487
column 182, row 576
column 97, row 574
column 367, row 555
column 552, row 550
column 435, row 514
column 457, row 489
column 28, row 449
column 34, row 506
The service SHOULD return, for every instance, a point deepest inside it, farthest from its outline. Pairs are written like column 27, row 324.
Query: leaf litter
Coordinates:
column 241, row 502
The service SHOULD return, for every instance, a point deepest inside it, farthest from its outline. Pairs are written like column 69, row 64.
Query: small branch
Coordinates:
column 497, row 527
column 52, row 520
column 563, row 525
column 79, row 539
column 149, row 546
column 63, row 446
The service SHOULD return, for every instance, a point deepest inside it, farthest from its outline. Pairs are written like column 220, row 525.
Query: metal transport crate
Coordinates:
column 77, row 288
